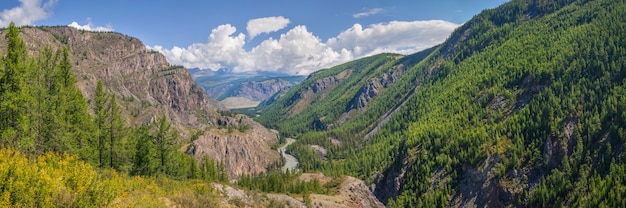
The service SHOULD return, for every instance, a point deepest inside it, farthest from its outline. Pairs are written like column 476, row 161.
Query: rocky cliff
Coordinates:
column 144, row 82
column 244, row 146
column 147, row 86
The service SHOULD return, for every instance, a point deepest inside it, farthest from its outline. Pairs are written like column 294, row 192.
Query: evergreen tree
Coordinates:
column 13, row 119
column 145, row 153
column 164, row 140
column 101, row 125
column 116, row 132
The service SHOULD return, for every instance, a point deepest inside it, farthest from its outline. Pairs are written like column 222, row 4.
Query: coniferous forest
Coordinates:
column 56, row 153
column 524, row 105
column 530, row 94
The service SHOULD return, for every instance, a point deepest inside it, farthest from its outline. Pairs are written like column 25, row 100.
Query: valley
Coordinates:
column 291, row 163
column 522, row 106
column 236, row 90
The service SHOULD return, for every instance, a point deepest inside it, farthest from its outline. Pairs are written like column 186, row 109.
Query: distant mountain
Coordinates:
column 522, row 106
column 255, row 86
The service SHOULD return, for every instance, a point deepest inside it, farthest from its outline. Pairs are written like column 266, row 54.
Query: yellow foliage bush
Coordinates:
column 51, row 180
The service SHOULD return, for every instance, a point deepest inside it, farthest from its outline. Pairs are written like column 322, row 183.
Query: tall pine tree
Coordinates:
column 13, row 119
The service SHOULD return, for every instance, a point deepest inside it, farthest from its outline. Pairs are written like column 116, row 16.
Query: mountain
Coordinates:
column 147, row 87
column 253, row 86
column 522, row 106
column 334, row 96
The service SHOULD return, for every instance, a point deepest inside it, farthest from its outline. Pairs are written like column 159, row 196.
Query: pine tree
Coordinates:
column 164, row 140
column 13, row 119
column 101, row 125
column 116, row 131
column 144, row 163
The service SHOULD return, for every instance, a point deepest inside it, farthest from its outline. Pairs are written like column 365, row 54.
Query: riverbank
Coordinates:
column 291, row 163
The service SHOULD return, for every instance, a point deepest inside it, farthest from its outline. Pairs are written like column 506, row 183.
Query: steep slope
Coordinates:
column 145, row 84
column 521, row 106
column 333, row 96
column 146, row 87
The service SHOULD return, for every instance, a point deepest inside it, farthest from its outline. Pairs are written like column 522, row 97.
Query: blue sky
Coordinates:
column 296, row 37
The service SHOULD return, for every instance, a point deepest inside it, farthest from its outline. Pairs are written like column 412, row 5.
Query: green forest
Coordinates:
column 534, row 89
column 58, row 149
column 523, row 105
column 51, row 141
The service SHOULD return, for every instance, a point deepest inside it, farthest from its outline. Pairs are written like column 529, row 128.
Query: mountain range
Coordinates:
column 147, row 87
column 242, row 89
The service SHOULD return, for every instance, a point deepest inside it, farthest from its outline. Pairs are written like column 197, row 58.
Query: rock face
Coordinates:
column 316, row 90
column 367, row 92
column 260, row 90
column 351, row 192
column 246, row 150
column 147, row 86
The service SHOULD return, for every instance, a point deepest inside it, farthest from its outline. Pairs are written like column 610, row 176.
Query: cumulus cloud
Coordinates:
column 368, row 13
column 266, row 25
column 222, row 50
column 28, row 12
column 298, row 51
column 396, row 36
column 91, row 27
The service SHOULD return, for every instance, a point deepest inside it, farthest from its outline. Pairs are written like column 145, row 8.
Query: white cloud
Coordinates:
column 28, row 12
column 222, row 50
column 396, row 36
column 299, row 51
column 90, row 27
column 266, row 25
column 368, row 13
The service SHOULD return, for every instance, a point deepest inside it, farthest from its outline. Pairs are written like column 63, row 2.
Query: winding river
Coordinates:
column 291, row 163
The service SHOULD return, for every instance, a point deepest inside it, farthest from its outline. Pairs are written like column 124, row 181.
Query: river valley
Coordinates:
column 291, row 163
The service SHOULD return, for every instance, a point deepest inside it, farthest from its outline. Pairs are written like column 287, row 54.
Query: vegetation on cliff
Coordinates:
column 530, row 95
column 43, row 115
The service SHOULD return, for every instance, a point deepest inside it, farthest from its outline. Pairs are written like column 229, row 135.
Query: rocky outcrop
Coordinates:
column 388, row 183
column 147, row 87
column 369, row 91
column 244, row 146
column 317, row 89
column 260, row 90
column 145, row 84
column 358, row 192
column 351, row 192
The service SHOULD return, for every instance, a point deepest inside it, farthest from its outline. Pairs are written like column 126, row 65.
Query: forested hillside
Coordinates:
column 523, row 105
column 43, row 114
column 64, row 143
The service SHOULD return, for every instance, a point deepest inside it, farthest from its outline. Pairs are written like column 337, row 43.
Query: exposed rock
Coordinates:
column 478, row 188
column 259, row 91
column 387, row 184
column 147, row 86
column 144, row 82
column 351, row 192
column 242, row 153
column 367, row 92
column 359, row 193
column 321, row 151
column 317, row 89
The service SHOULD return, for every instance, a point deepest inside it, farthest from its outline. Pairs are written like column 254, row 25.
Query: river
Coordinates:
column 291, row 163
